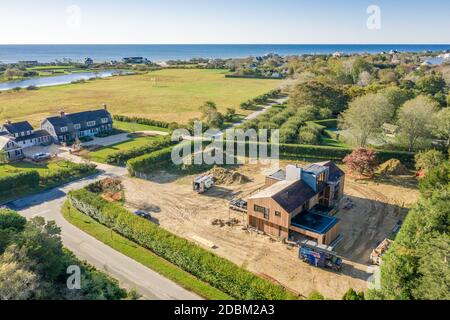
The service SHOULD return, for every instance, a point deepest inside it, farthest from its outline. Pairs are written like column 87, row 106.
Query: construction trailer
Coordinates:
column 319, row 255
column 203, row 183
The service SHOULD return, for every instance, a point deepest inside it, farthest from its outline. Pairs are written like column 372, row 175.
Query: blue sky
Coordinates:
column 220, row 21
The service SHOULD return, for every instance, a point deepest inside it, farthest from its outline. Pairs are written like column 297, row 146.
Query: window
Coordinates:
column 64, row 129
column 105, row 120
column 91, row 123
column 77, row 126
column 278, row 213
column 262, row 210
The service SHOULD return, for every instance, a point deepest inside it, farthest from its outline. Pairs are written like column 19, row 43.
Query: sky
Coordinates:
column 224, row 22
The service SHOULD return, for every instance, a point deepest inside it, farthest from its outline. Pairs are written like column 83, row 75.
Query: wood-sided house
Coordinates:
column 299, row 201
column 68, row 127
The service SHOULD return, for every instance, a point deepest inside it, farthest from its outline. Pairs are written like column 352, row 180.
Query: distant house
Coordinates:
column 30, row 63
column 9, row 148
column 88, row 62
column 135, row 60
column 277, row 75
column 68, row 127
column 24, row 135
column 298, row 202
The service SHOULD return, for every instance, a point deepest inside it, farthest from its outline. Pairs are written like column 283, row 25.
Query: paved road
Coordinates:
column 130, row 273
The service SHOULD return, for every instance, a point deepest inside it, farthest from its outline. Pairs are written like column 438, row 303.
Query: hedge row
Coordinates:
column 218, row 272
column 121, row 157
column 148, row 162
column 74, row 171
column 13, row 184
column 262, row 99
column 145, row 121
column 296, row 151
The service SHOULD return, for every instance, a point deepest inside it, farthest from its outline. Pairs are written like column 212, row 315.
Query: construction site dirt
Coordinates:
column 368, row 213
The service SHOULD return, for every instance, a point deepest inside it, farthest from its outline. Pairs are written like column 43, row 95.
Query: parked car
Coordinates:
column 143, row 214
column 41, row 156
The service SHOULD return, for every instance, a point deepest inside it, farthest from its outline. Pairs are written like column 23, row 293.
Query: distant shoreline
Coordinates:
column 162, row 53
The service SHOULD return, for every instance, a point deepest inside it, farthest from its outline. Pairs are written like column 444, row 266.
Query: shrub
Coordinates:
column 149, row 162
column 146, row 121
column 121, row 157
column 19, row 182
column 73, row 171
column 362, row 161
column 218, row 272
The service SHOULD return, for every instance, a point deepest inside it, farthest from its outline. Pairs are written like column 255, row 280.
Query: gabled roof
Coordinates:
column 294, row 196
column 35, row 135
column 335, row 172
column 290, row 195
column 78, row 118
column 6, row 139
column 18, row 127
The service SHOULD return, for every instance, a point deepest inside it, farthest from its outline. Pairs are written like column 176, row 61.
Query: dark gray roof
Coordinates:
column 18, row 127
column 335, row 172
column 314, row 168
column 81, row 118
column 36, row 134
column 294, row 196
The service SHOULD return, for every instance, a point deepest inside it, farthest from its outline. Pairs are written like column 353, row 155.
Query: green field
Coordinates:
column 102, row 154
column 172, row 95
column 140, row 254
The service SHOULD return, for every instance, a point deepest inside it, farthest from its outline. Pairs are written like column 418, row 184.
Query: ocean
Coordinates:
column 157, row 53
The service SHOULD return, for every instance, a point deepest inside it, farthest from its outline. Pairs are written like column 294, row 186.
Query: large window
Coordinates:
column 77, row 126
column 91, row 123
column 64, row 129
column 262, row 210
column 105, row 120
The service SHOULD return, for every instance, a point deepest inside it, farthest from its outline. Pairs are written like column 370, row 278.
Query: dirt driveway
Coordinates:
column 177, row 208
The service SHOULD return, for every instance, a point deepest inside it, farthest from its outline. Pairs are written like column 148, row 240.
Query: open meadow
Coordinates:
column 172, row 95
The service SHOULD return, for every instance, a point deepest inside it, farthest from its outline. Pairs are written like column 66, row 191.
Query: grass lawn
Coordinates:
column 140, row 254
column 329, row 142
column 7, row 169
column 172, row 95
column 101, row 154
column 134, row 127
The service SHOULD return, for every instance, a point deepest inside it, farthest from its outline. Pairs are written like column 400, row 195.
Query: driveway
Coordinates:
column 130, row 273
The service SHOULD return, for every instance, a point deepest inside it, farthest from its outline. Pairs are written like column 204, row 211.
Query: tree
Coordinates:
column 443, row 124
column 431, row 85
column 416, row 121
column 316, row 296
column 320, row 95
column 387, row 76
column 230, row 114
column 16, row 283
column 365, row 116
column 417, row 266
column 362, row 161
column 397, row 98
column 211, row 116
column 353, row 295
column 428, row 160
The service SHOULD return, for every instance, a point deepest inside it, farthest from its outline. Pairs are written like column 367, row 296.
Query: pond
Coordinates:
column 59, row 80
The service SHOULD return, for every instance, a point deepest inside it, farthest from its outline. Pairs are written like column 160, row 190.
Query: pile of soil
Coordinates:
column 228, row 177
column 393, row 167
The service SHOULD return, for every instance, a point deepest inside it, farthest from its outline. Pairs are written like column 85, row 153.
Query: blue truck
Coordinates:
column 319, row 255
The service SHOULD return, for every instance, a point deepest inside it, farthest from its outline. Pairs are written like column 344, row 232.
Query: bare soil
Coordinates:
column 376, row 208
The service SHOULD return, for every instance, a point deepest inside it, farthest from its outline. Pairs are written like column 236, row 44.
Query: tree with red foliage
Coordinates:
column 362, row 161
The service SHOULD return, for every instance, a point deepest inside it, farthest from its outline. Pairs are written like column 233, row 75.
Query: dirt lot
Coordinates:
column 377, row 208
